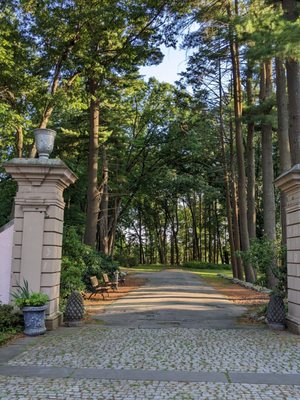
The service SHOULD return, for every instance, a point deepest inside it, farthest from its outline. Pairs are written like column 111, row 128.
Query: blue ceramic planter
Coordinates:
column 34, row 320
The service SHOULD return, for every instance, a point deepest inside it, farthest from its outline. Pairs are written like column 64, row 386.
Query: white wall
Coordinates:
column 6, row 244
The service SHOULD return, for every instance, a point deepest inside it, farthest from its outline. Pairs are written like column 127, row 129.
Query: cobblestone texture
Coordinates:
column 190, row 347
column 168, row 349
column 15, row 388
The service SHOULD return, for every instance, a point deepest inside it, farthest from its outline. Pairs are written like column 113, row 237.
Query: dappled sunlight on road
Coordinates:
column 172, row 298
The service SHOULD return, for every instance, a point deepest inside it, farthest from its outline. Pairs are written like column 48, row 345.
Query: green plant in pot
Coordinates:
column 33, row 306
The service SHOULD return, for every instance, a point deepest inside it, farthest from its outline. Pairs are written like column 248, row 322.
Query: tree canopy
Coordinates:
column 168, row 173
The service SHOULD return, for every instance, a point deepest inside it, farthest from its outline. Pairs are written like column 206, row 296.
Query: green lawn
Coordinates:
column 209, row 273
column 145, row 268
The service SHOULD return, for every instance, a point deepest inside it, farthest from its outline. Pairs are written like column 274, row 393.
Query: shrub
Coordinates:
column 132, row 262
column 263, row 254
column 71, row 277
column 128, row 262
column 80, row 262
column 100, row 264
column 8, row 189
column 9, row 320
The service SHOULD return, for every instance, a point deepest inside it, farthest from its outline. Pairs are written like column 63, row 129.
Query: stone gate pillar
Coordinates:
column 289, row 182
column 39, row 213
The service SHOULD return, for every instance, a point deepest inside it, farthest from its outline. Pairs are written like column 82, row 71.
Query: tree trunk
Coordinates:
column 186, row 236
column 113, row 226
column 251, row 212
column 267, row 166
column 93, row 195
column 19, row 141
column 209, row 234
column 218, row 236
column 175, row 232
column 140, row 235
column 164, row 238
column 200, row 227
column 205, row 231
column 192, row 206
column 104, row 201
column 293, row 79
column 235, row 212
column 226, row 182
column 242, row 199
column 54, row 85
column 293, row 82
column 172, row 249
column 283, row 134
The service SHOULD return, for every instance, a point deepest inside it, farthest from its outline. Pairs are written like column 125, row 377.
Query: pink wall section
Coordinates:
column 6, row 244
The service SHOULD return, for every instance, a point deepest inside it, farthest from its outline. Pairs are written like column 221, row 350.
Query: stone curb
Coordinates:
column 247, row 285
column 143, row 375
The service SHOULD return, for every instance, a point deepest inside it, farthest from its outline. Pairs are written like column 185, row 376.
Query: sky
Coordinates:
column 174, row 62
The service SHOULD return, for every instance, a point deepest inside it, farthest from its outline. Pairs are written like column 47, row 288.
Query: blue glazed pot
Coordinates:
column 34, row 320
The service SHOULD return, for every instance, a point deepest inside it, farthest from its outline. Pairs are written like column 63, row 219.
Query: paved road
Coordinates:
column 173, row 298
column 173, row 339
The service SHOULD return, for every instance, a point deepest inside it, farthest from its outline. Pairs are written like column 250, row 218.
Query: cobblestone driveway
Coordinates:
column 109, row 362
column 180, row 349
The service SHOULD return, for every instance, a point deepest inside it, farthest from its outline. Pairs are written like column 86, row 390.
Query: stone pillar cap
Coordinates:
column 289, row 179
column 19, row 167
column 50, row 162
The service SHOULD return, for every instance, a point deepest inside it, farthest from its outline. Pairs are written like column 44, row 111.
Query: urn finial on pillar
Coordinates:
column 44, row 142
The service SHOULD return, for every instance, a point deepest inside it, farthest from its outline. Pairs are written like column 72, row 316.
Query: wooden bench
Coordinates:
column 109, row 283
column 122, row 276
column 97, row 288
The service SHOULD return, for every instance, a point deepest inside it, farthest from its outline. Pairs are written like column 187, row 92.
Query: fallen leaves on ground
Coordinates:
column 237, row 293
column 251, row 299
column 96, row 303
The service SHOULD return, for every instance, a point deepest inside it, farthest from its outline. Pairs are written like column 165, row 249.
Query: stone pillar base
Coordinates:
column 293, row 325
column 53, row 321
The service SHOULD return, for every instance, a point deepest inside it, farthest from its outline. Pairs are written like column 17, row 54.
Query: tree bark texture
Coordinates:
column 19, row 141
column 104, row 201
column 267, row 165
column 242, row 198
column 293, row 83
column 226, row 182
column 251, row 211
column 283, row 134
column 235, row 213
column 93, row 195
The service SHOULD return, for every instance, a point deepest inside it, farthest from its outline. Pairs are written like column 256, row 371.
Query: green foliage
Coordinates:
column 79, row 262
column 71, row 277
column 34, row 300
column 264, row 254
column 267, row 32
column 205, row 265
column 9, row 320
column 26, row 298
column 128, row 262
column 260, row 254
column 7, row 193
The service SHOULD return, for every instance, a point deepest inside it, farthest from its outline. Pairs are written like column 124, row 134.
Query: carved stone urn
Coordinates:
column 44, row 141
column 34, row 320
